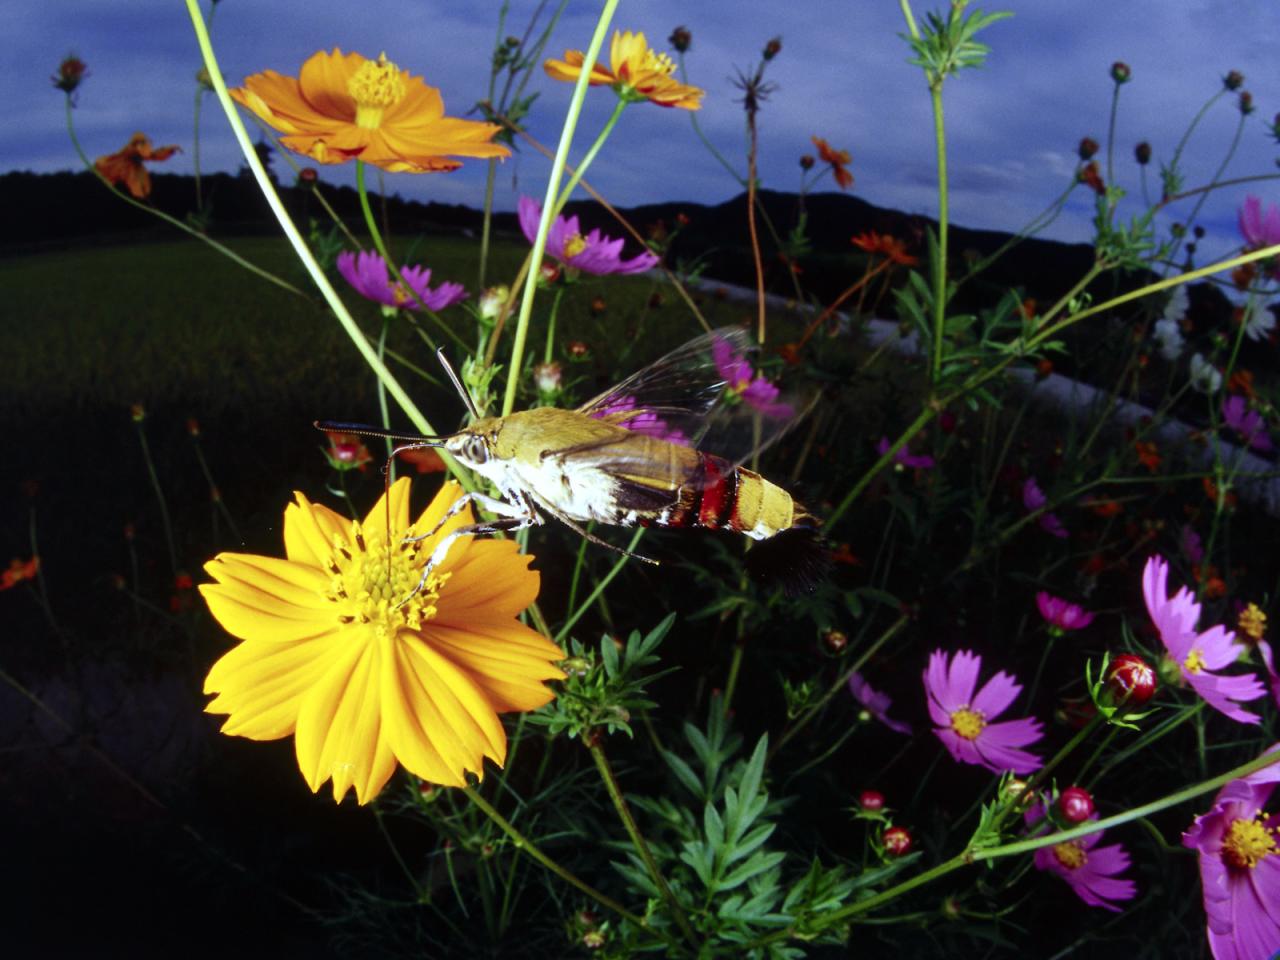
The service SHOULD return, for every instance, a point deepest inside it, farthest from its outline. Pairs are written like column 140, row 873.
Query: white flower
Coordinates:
column 1259, row 321
column 1204, row 375
column 1168, row 335
column 1177, row 306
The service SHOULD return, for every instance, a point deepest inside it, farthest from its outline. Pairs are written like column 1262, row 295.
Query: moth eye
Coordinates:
column 476, row 451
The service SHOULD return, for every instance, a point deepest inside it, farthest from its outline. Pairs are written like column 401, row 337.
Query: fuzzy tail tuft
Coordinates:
column 797, row 558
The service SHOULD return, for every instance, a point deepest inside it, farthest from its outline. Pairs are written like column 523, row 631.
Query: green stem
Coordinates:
column 382, row 398
column 599, row 589
column 637, row 840
column 174, row 221
column 551, row 325
column 159, row 492
column 579, row 171
column 549, row 201
column 522, row 843
column 486, row 226
column 940, row 272
column 1111, row 131
column 330, row 295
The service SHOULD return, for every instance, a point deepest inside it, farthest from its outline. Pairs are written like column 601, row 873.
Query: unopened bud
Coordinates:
column 71, row 72
column 772, row 48
column 871, row 800
column 1234, row 80
column 834, row 641
column 1088, row 147
column 897, row 841
column 1142, row 153
column 1245, row 103
column 1120, row 72
column 548, row 377
column 807, row 162
column 1131, row 679
column 681, row 39
column 493, row 300
column 1075, row 805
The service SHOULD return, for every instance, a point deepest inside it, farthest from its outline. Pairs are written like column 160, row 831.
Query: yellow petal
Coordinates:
column 507, row 660
column 491, row 580
column 290, row 583
column 338, row 725
column 377, row 518
column 310, row 530
column 254, row 615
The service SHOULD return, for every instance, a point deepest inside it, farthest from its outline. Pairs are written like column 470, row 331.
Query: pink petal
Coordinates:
column 963, row 677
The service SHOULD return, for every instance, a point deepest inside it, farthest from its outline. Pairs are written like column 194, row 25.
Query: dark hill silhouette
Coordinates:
column 55, row 211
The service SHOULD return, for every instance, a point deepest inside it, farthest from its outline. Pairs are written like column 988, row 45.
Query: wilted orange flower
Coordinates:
column 636, row 73
column 125, row 166
column 346, row 107
column 839, row 161
column 344, row 648
column 1091, row 177
column 1148, row 454
column 18, row 571
column 886, row 246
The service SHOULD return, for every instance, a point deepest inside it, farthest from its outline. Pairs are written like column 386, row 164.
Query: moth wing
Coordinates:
column 706, row 395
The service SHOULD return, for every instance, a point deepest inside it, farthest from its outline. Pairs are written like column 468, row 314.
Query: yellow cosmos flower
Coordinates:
column 344, row 106
column 338, row 650
column 638, row 73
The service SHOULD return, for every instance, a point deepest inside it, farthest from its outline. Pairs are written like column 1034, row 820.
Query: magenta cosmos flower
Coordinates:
column 742, row 381
column 904, row 457
column 877, row 704
column 594, row 253
column 1033, row 499
column 964, row 720
column 1240, row 868
column 1061, row 614
column 1258, row 228
column 1197, row 654
column 367, row 273
column 1248, row 423
column 1089, row 870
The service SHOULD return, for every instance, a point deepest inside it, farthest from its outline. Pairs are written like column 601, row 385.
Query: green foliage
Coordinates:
column 605, row 689
column 946, row 45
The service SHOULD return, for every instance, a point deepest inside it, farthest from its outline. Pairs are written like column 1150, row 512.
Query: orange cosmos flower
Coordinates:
column 636, row 73
column 18, row 571
column 839, row 160
column 125, row 166
column 347, row 650
column 886, row 246
column 344, row 107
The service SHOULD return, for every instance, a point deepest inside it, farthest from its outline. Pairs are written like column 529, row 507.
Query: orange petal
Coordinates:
column 508, row 661
column 322, row 82
column 490, row 580
column 397, row 514
column 421, row 104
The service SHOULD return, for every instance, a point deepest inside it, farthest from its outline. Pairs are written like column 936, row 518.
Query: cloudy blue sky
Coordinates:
column 1013, row 126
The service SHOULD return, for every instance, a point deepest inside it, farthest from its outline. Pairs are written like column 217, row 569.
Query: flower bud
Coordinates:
column 1075, row 805
column 1142, row 153
column 1234, row 80
column 138, row 412
column 1245, row 103
column 1120, row 72
column 493, row 300
column 598, row 306
column 772, row 48
column 871, row 800
column 308, row 175
column 807, row 162
column 203, row 80
column 593, row 939
column 834, row 642
column 71, row 72
column 1131, row 679
column 548, row 273
column 548, row 377
column 1088, row 147
column 193, row 427
column 681, row 39
column 577, row 349
column 897, row 841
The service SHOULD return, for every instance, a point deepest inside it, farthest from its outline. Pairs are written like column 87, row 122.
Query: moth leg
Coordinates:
column 572, row 525
column 493, row 504
column 508, row 524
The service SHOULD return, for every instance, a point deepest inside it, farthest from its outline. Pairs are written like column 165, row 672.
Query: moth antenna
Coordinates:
column 365, row 430
column 462, row 391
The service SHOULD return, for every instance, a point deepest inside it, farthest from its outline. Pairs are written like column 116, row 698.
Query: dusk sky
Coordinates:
column 1013, row 126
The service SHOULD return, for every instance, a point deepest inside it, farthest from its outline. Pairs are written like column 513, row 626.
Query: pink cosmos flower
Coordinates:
column 1257, row 228
column 905, row 457
column 367, row 273
column 594, row 253
column 1240, row 868
column 964, row 720
column 1198, row 653
column 648, row 422
column 738, row 375
column 1248, row 423
column 1090, row 870
column 1062, row 614
column 877, row 704
column 1033, row 499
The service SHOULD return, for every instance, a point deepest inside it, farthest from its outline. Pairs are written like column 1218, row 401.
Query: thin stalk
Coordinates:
column 382, row 399
column 637, row 840
column 548, row 203
column 751, row 225
column 486, row 226
column 527, row 846
column 599, row 589
column 330, row 295
column 174, row 221
column 576, row 173
column 1111, row 131
column 549, row 352
column 159, row 492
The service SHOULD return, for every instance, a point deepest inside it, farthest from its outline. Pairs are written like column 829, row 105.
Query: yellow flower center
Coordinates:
column 1070, row 855
column 378, row 585
column 1253, row 622
column 967, row 723
column 1195, row 661
column 574, row 246
column 656, row 62
column 378, row 84
column 1247, row 842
